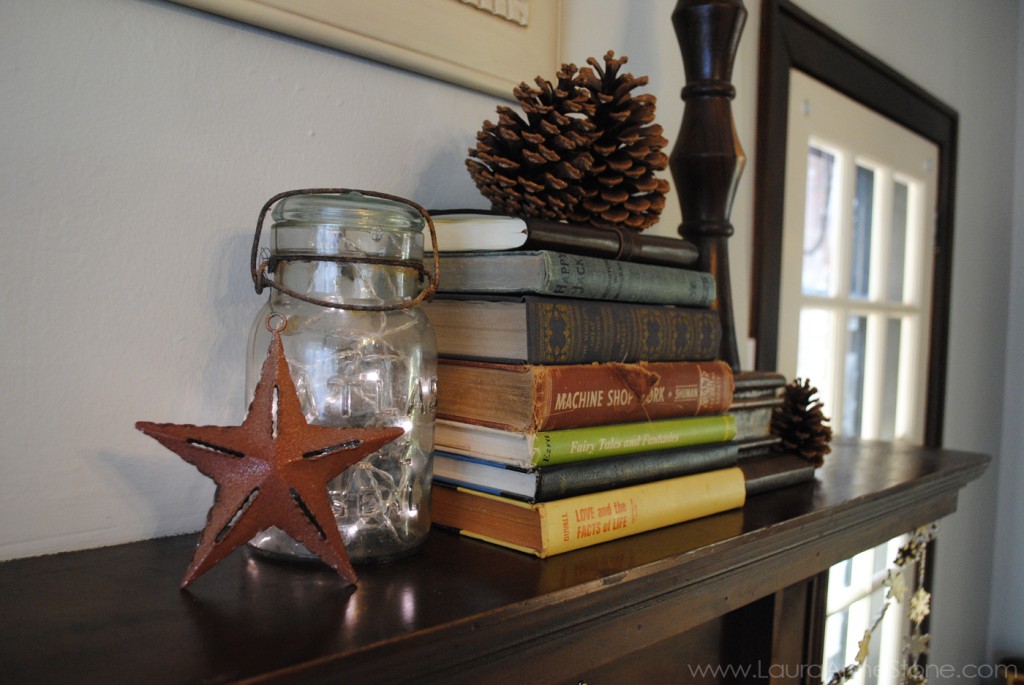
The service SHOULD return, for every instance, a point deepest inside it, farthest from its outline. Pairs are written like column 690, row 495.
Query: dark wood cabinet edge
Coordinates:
column 609, row 618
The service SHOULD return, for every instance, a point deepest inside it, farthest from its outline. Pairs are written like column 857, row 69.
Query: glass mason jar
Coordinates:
column 347, row 269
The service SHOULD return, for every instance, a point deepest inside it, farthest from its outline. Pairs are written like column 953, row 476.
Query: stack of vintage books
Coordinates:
column 579, row 395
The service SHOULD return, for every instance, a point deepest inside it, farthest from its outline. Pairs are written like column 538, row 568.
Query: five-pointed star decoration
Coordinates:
column 272, row 470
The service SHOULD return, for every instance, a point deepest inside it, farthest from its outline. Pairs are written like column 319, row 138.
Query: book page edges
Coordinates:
column 496, row 498
column 503, row 543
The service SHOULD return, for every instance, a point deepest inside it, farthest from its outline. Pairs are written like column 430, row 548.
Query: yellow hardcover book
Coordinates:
column 550, row 528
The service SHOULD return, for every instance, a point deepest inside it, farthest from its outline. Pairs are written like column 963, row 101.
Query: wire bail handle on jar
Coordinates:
column 261, row 270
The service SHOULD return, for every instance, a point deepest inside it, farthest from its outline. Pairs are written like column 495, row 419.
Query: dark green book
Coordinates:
column 551, row 330
column 549, row 483
column 767, row 472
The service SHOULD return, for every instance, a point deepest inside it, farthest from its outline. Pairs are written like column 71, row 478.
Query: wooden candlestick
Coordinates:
column 707, row 159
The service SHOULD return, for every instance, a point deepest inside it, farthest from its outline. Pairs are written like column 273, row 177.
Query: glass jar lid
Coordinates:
column 343, row 210
column 350, row 209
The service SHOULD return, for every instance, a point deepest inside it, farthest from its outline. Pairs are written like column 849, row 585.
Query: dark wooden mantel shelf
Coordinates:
column 460, row 610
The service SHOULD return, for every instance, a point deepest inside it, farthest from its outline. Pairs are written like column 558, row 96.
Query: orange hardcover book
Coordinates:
column 548, row 528
column 529, row 398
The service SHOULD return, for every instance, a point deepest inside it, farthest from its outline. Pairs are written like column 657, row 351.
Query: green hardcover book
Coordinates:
column 545, row 272
column 553, row 330
column 526, row 449
column 547, row 483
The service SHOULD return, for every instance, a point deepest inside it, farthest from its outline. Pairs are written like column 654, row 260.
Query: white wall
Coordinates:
column 139, row 140
column 1006, row 632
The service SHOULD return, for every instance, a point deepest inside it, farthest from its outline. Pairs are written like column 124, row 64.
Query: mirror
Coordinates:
column 792, row 39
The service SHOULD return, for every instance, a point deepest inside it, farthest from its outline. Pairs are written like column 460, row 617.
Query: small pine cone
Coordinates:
column 621, row 188
column 533, row 166
column 801, row 425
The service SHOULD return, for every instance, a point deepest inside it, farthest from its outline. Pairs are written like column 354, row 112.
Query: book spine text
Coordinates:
column 575, row 396
column 577, row 276
column 577, row 444
column 586, row 520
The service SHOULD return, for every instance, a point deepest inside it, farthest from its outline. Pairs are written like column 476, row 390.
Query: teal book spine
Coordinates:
column 558, row 274
column 604, row 279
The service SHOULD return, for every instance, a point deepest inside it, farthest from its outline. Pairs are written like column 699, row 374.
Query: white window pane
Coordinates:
column 853, row 374
column 858, row 622
column 863, row 208
column 856, row 595
column 898, row 242
column 891, row 378
column 835, row 642
column 820, row 223
column 816, row 352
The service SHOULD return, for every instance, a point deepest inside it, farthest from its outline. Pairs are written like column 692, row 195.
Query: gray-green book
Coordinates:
column 558, row 274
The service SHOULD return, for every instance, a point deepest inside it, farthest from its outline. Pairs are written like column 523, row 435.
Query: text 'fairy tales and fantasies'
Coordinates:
column 615, row 444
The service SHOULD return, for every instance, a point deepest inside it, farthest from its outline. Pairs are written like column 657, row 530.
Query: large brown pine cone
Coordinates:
column 586, row 151
column 533, row 166
column 621, row 188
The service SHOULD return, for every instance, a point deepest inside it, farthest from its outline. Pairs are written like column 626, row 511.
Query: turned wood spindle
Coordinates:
column 707, row 159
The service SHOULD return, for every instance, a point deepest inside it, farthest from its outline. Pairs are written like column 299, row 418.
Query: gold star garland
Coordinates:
column 916, row 644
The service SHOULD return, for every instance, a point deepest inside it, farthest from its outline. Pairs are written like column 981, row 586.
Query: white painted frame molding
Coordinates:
column 480, row 45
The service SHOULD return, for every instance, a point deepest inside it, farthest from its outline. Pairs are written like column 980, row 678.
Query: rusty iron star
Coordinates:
column 272, row 470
